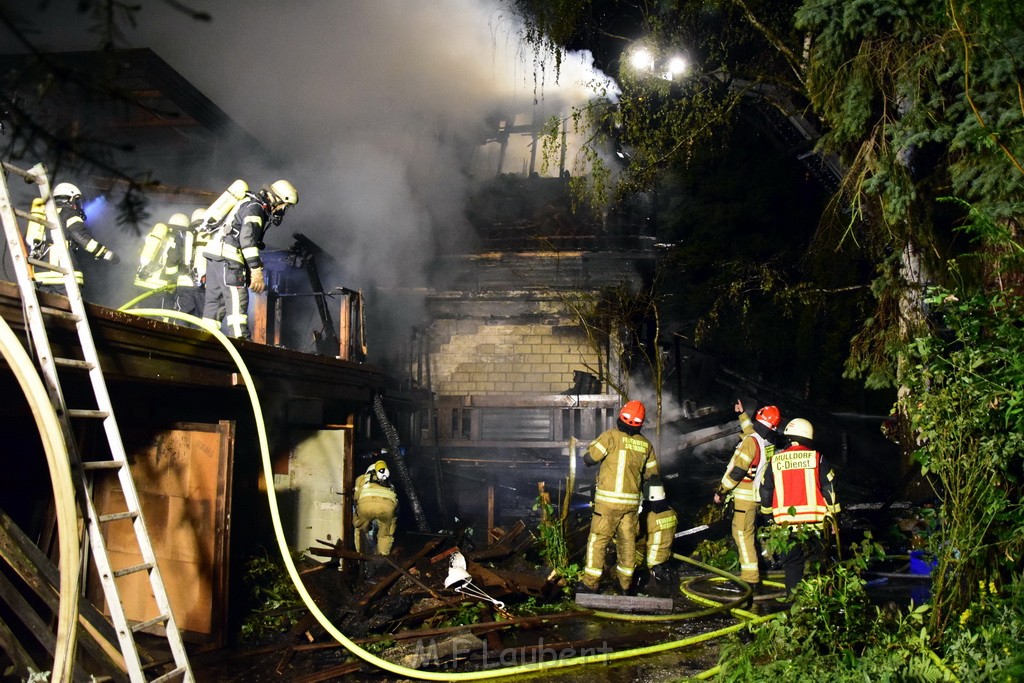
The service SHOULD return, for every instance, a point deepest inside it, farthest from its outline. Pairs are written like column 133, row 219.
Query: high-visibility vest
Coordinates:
column 797, row 498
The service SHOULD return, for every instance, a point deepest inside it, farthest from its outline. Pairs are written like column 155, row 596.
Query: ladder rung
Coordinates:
column 102, row 465
column 31, row 175
column 130, row 514
column 144, row 567
column 46, row 265
column 152, row 622
column 73, row 363
column 170, row 675
column 87, row 413
column 57, row 313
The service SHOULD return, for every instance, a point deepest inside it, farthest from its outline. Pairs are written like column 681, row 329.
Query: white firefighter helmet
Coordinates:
column 66, row 191
column 799, row 427
column 198, row 215
column 179, row 220
column 284, row 192
column 655, row 493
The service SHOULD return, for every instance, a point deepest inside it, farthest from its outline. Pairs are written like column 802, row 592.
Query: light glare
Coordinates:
column 642, row 60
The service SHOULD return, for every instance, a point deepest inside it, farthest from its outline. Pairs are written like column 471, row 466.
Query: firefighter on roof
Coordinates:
column 161, row 259
column 627, row 461
column 233, row 255
column 376, row 502
column 68, row 200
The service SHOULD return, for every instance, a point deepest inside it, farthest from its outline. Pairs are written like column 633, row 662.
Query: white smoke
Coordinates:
column 373, row 108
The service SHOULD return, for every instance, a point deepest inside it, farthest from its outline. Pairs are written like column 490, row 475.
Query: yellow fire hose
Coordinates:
column 63, row 495
column 369, row 657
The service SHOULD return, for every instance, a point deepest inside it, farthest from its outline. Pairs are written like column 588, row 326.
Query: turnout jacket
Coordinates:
column 367, row 489
column 627, row 461
column 743, row 474
column 40, row 241
column 239, row 241
column 660, row 533
column 797, row 487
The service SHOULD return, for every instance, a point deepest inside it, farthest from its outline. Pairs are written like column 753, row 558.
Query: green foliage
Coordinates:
column 466, row 613
column 718, row 553
column 967, row 413
column 277, row 605
column 553, row 547
column 984, row 642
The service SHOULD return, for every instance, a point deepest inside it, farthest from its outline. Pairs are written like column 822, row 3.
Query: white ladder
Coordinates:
column 103, row 411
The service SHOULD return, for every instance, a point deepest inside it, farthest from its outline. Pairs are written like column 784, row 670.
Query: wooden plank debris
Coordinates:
column 640, row 604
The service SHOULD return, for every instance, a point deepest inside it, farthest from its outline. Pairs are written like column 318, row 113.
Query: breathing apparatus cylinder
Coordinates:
column 222, row 206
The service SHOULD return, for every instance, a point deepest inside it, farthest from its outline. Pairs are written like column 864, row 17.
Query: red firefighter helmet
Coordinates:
column 633, row 413
column 769, row 416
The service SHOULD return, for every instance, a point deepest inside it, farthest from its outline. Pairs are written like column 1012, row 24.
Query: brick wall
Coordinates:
column 501, row 357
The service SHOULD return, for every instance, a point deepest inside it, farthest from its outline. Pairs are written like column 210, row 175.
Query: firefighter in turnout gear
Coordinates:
column 190, row 294
column 797, row 490
column 233, row 255
column 627, row 461
column 654, row 545
column 68, row 200
column 160, row 261
column 743, row 477
column 376, row 501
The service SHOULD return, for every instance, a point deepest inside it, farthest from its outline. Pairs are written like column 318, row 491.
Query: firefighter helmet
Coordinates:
column 284, row 192
column 655, row 493
column 198, row 215
column 380, row 468
column 66, row 192
column 179, row 220
column 799, row 427
column 633, row 413
column 769, row 416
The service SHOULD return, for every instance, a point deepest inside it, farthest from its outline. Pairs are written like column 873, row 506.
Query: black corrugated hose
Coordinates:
column 398, row 461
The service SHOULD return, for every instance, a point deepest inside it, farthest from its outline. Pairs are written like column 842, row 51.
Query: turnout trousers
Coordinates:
column 373, row 509
column 607, row 523
column 227, row 297
column 744, row 535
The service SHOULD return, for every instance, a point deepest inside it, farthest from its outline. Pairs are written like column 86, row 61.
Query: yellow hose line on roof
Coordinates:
column 63, row 495
column 146, row 295
column 359, row 652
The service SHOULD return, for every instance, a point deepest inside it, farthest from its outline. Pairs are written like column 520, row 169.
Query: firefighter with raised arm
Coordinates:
column 233, row 255
column 743, row 477
column 376, row 503
column 797, row 491
column 70, row 212
column 627, row 461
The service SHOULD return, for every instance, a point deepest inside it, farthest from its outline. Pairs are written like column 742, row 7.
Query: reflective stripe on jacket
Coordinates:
column 797, row 487
column 627, row 461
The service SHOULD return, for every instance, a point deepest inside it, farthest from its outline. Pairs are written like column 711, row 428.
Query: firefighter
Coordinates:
column 654, row 545
column 68, row 200
column 160, row 262
column 797, row 491
column 190, row 293
column 743, row 477
column 233, row 255
column 627, row 461
column 376, row 501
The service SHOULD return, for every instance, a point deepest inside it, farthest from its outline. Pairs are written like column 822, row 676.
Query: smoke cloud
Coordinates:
column 376, row 109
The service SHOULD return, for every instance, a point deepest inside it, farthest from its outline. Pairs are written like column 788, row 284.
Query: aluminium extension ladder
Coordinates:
column 103, row 411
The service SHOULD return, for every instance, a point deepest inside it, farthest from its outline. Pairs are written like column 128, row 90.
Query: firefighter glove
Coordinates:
column 256, row 282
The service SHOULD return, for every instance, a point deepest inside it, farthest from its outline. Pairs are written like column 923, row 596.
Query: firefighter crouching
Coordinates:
column 797, row 490
column 376, row 501
column 743, row 477
column 654, row 543
column 627, row 460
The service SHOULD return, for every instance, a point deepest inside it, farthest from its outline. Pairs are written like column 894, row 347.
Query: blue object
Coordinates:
column 922, row 563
